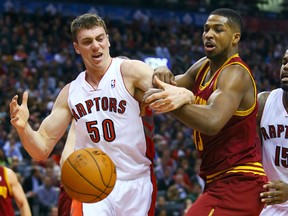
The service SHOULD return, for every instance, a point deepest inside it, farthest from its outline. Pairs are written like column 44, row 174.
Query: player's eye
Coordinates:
column 218, row 30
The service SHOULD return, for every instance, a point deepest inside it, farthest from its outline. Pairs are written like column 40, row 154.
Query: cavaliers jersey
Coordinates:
column 236, row 148
column 108, row 118
column 6, row 204
column 274, row 132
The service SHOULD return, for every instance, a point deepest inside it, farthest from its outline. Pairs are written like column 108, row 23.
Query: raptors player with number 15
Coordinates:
column 104, row 101
column 273, row 128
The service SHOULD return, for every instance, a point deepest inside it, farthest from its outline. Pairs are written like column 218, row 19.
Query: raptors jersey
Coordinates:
column 274, row 132
column 236, row 148
column 108, row 118
column 6, row 205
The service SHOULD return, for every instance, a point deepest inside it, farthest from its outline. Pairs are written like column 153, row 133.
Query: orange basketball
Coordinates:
column 88, row 175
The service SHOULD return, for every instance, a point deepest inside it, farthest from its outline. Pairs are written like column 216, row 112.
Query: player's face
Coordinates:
column 93, row 45
column 284, row 72
column 217, row 36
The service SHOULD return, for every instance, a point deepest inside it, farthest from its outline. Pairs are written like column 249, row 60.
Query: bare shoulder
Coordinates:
column 136, row 75
column 11, row 175
column 131, row 65
column 236, row 75
column 238, row 69
column 135, row 69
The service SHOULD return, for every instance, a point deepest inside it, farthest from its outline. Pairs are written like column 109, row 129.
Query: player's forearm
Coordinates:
column 25, row 209
column 33, row 143
column 199, row 118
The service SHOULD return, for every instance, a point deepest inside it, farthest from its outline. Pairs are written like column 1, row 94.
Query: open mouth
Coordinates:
column 209, row 46
column 284, row 76
column 97, row 56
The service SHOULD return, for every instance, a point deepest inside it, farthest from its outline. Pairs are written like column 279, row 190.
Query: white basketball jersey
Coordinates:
column 274, row 131
column 108, row 118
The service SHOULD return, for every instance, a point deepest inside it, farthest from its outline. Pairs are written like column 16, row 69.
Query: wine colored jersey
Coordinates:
column 6, row 206
column 236, row 148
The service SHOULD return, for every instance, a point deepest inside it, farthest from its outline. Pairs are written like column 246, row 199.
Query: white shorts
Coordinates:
column 275, row 210
column 129, row 197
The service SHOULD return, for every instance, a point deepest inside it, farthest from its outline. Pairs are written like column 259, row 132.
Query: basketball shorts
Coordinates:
column 237, row 195
column 277, row 210
column 129, row 197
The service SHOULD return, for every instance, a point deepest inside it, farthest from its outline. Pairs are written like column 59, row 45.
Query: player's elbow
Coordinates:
column 39, row 156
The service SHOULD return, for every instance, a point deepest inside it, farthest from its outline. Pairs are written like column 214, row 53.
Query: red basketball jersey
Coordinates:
column 6, row 206
column 236, row 148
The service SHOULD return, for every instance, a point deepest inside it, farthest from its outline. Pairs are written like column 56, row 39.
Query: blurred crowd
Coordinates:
column 36, row 54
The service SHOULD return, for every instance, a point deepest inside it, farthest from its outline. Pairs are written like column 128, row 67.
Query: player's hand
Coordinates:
column 146, row 106
column 19, row 113
column 167, row 97
column 278, row 192
column 165, row 75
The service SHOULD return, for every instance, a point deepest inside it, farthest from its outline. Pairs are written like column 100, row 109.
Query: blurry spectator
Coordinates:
column 8, row 5
column 93, row 10
column 178, row 191
column 47, row 195
column 53, row 170
column 3, row 135
column 3, row 159
column 12, row 148
column 187, row 165
column 186, row 179
column 51, row 9
column 140, row 16
column 20, row 54
column 31, row 184
column 168, row 160
column 162, row 51
column 165, row 181
column 161, row 207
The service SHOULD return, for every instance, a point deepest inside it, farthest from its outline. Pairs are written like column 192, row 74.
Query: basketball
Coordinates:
column 88, row 175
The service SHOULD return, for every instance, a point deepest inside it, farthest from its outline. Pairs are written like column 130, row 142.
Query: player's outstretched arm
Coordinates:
column 40, row 143
column 278, row 192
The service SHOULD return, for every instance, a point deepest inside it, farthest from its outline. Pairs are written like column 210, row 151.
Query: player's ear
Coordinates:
column 76, row 47
column 236, row 38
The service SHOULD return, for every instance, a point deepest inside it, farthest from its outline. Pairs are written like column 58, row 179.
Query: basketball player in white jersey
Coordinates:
column 273, row 128
column 104, row 101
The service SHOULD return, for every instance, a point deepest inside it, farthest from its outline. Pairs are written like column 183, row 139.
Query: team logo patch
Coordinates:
column 113, row 83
